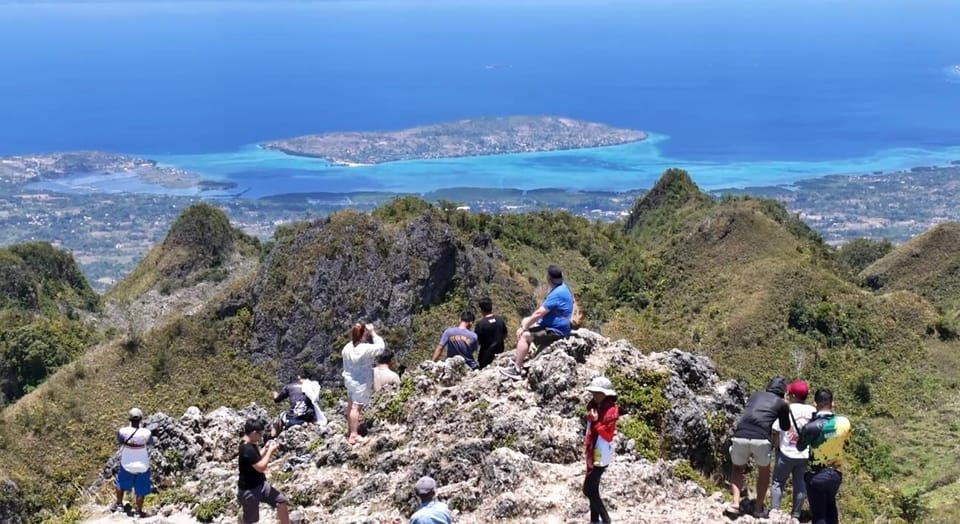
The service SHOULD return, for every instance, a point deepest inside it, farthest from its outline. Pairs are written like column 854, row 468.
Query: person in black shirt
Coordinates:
column 751, row 438
column 301, row 409
column 491, row 330
column 252, row 485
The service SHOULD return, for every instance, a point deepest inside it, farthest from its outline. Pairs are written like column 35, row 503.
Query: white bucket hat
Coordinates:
column 601, row 384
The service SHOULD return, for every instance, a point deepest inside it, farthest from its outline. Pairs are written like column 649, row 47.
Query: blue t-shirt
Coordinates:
column 459, row 341
column 433, row 512
column 559, row 305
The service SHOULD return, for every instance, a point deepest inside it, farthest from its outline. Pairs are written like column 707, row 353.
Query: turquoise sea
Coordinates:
column 739, row 93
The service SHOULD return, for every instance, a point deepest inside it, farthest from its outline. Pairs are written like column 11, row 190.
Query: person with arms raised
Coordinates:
column 358, row 357
column 134, row 471
column 825, row 435
column 549, row 323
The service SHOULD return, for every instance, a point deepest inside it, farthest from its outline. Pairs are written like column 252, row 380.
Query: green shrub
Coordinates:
column 209, row 510
column 682, row 470
column 395, row 408
column 647, row 442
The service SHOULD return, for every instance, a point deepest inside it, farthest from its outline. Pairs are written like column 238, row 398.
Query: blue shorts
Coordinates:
column 139, row 482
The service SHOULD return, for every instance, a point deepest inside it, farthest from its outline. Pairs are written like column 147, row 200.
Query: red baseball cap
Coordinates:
column 799, row 389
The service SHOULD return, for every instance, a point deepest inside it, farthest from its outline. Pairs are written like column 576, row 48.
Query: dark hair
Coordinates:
column 357, row 332
column 467, row 316
column 485, row 305
column 777, row 386
column 251, row 425
column 823, row 396
column 385, row 357
column 554, row 272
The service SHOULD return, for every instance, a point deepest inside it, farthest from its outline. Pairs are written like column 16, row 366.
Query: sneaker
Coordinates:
column 511, row 372
column 140, row 514
column 761, row 514
column 114, row 507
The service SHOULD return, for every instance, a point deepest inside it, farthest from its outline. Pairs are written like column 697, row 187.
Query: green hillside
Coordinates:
column 738, row 279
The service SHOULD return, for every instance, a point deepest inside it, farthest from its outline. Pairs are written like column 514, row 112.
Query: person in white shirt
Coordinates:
column 134, row 470
column 358, row 357
column 791, row 461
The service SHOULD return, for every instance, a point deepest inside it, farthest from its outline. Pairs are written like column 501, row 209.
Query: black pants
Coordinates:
column 822, row 487
column 591, row 488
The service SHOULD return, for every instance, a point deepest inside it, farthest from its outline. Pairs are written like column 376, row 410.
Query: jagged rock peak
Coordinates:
column 500, row 450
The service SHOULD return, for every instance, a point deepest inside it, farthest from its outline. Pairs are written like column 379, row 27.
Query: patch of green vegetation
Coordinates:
column 640, row 392
column 647, row 441
column 69, row 516
column 394, row 409
column 208, row 511
column 171, row 497
column 857, row 254
column 506, row 441
column 682, row 470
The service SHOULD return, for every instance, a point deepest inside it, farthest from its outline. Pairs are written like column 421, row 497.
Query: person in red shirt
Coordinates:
column 602, row 415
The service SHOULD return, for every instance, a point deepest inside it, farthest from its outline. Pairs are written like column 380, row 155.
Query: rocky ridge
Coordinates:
column 500, row 450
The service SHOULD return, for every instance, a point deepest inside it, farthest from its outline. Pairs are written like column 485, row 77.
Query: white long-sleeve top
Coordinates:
column 358, row 368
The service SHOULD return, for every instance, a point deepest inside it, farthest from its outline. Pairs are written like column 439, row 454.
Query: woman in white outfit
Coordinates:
column 359, row 356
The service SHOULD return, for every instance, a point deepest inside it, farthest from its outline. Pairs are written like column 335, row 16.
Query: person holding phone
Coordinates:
column 252, row 486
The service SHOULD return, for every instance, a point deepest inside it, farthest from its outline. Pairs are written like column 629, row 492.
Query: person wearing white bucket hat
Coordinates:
column 602, row 415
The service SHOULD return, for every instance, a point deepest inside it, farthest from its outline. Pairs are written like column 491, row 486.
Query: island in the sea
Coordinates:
column 25, row 168
column 471, row 137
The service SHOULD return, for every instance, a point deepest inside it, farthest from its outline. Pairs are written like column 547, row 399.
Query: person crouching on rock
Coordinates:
column 358, row 358
column 602, row 415
column 252, row 485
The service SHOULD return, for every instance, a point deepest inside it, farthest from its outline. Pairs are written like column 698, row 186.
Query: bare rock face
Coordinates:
column 499, row 449
column 321, row 279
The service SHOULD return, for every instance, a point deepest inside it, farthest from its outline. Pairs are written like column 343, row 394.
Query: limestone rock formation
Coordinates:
column 499, row 450
column 346, row 268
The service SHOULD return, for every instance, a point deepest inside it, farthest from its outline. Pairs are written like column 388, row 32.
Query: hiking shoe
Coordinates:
column 511, row 372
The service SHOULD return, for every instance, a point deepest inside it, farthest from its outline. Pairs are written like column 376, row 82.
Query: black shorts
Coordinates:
column 544, row 336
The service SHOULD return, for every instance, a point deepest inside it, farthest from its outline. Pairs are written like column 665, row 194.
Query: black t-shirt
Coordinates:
column 250, row 478
column 759, row 414
column 490, row 334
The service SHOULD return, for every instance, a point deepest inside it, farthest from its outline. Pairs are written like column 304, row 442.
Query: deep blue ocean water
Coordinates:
column 740, row 93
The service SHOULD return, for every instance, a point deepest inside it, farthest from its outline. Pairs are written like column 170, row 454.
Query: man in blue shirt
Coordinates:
column 430, row 511
column 549, row 323
column 459, row 340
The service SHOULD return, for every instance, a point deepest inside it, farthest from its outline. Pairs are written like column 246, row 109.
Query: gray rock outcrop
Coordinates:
column 499, row 449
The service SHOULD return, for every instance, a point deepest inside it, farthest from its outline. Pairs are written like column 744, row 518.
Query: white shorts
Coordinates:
column 743, row 448
column 357, row 392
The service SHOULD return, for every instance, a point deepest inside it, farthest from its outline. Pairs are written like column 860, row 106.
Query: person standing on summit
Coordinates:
column 790, row 460
column 549, row 323
column 459, row 340
column 491, row 331
column 358, row 357
column 826, row 435
column 134, row 471
column 751, row 438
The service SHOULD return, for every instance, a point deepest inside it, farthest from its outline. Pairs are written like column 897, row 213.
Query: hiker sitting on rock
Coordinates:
column 252, row 485
column 602, row 415
column 134, row 471
column 430, row 511
column 358, row 357
column 304, row 396
column 751, row 438
column 549, row 323
column 382, row 374
column 459, row 340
